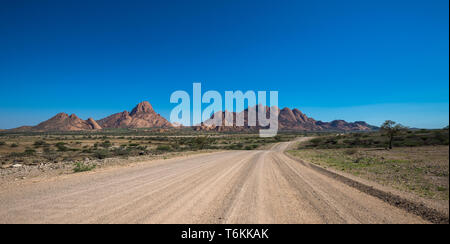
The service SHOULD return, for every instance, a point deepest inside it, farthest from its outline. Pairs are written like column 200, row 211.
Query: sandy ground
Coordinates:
column 263, row 186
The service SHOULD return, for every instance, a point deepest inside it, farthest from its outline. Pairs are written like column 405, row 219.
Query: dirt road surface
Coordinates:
column 262, row 186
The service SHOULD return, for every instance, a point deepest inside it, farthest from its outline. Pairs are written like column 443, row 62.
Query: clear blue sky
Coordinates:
column 353, row 60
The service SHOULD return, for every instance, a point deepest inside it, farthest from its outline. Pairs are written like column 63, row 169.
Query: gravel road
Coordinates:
column 261, row 186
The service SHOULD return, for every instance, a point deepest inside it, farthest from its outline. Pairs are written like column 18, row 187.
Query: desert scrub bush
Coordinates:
column 102, row 154
column 29, row 151
column 238, row 146
column 142, row 148
column 16, row 155
column 106, row 144
column 332, row 141
column 2, row 143
column 351, row 151
column 87, row 150
column 51, row 156
column 81, row 167
column 165, row 148
column 316, row 141
column 201, row 142
column 61, row 147
column 123, row 151
column 14, row 145
column 251, row 147
column 441, row 137
column 175, row 146
column 39, row 143
column 441, row 188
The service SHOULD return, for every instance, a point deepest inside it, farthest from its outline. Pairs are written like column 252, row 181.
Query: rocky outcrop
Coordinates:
column 93, row 124
column 142, row 116
column 288, row 120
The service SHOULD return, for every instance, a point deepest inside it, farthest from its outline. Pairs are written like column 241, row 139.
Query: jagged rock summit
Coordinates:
column 142, row 116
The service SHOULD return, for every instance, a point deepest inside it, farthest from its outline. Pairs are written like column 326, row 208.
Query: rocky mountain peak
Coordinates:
column 143, row 107
column 142, row 116
column 73, row 117
column 61, row 115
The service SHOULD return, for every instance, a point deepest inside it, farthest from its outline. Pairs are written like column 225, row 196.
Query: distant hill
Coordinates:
column 288, row 120
column 62, row 122
column 143, row 116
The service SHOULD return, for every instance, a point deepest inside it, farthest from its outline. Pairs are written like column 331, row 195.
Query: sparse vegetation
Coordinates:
column 163, row 148
column 39, row 143
column 54, row 147
column 417, row 162
column 420, row 170
column 29, row 152
column 101, row 154
column 81, row 167
column 106, row 144
column 410, row 138
column 35, row 148
column 61, row 146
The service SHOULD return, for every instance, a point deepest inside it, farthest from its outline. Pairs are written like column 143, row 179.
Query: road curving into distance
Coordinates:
column 260, row 186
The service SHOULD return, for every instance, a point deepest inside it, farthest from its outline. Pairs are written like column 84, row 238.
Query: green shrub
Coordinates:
column 163, row 148
column 441, row 188
column 201, row 142
column 61, row 147
column 238, row 146
column 316, row 141
column 2, row 143
column 251, row 147
column 123, row 151
column 175, row 146
column 29, row 151
column 14, row 145
column 106, row 144
column 16, row 154
column 101, row 154
column 39, row 143
column 351, row 151
column 87, row 150
column 81, row 167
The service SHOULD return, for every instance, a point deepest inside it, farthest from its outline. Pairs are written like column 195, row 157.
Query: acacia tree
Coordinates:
column 390, row 129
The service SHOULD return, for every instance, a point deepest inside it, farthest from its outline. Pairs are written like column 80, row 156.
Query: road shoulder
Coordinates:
column 433, row 211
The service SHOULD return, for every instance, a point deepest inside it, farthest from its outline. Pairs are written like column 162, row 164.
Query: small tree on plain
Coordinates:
column 390, row 129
